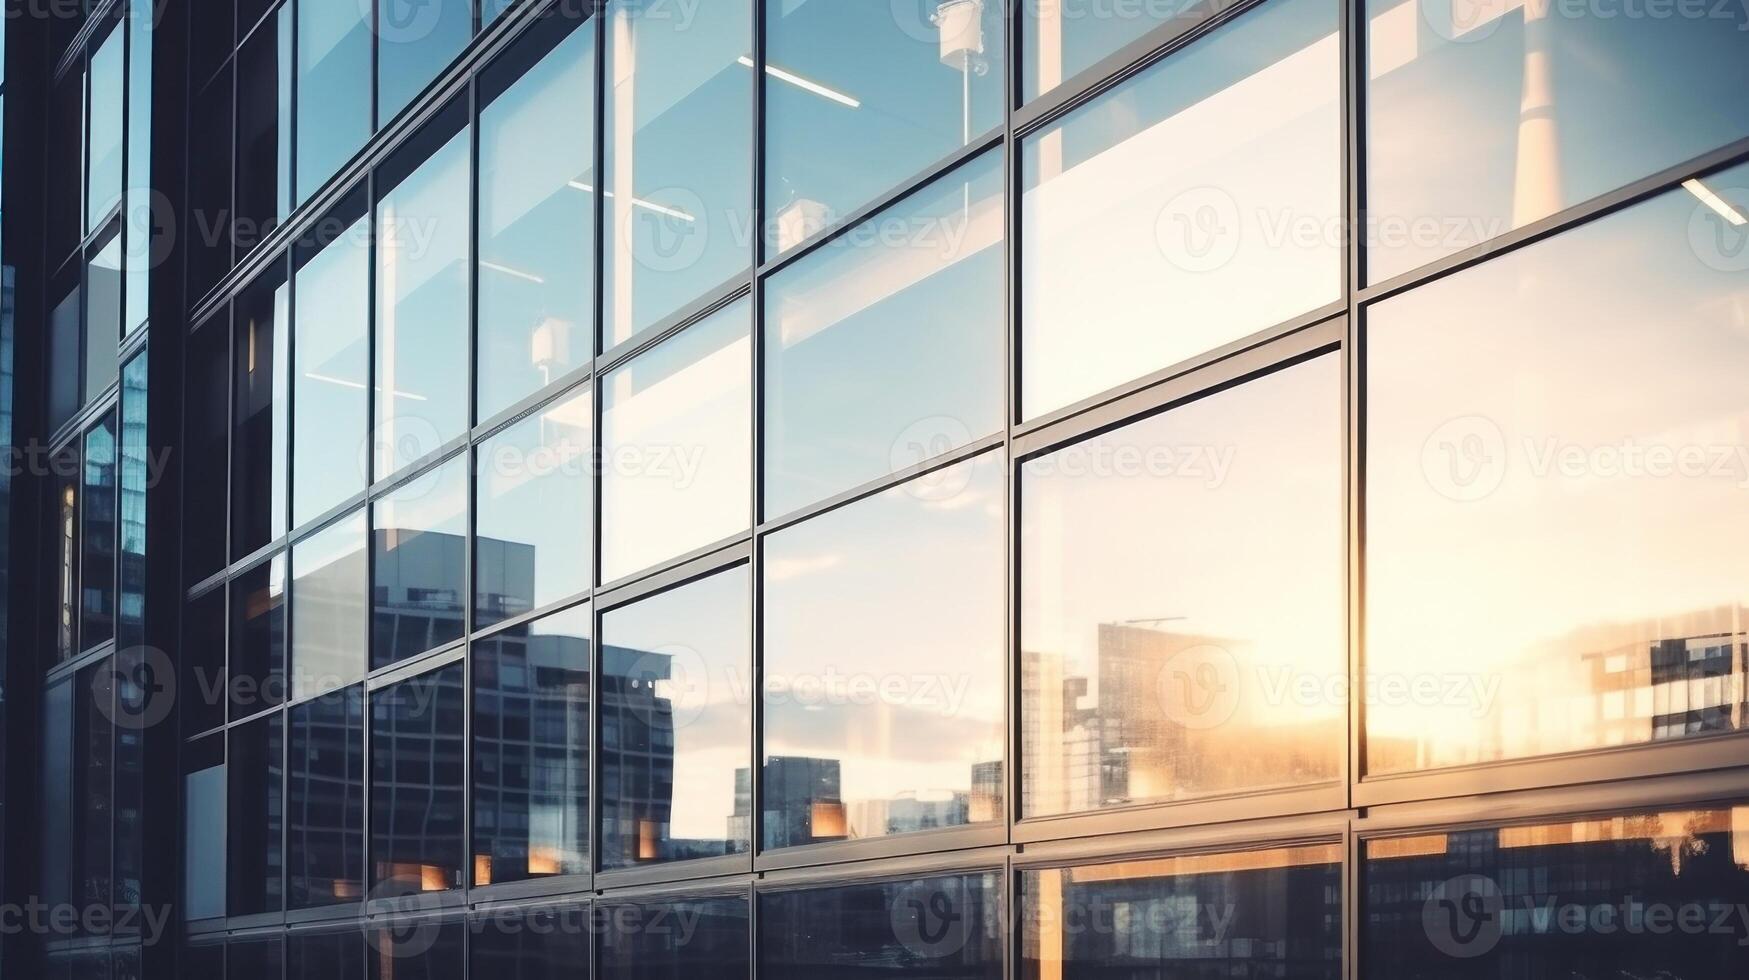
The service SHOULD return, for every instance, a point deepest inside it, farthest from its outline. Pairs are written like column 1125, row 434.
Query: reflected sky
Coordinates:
column 104, row 122
column 534, row 513
column 416, row 39
column 334, row 72
column 1557, row 456
column 329, row 395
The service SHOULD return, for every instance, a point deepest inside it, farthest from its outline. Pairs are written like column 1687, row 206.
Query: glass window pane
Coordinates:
column 1062, row 38
column 325, row 796
column 860, row 97
column 886, row 347
column 204, row 962
column 330, row 400
column 420, row 949
column 66, row 163
column 884, row 672
column 1274, row 913
column 200, row 683
column 329, row 617
column 334, row 72
column 141, row 468
column 55, row 806
column 534, row 517
column 1482, row 119
column 537, row 226
column 257, row 663
column 203, row 800
column 64, row 393
column 139, row 219
column 93, row 811
column 1178, row 575
column 491, row 9
column 97, row 530
column 422, row 309
column 716, row 948
column 257, row 766
column 205, row 465
column 531, row 944
column 103, row 286
column 1636, row 895
column 678, row 221
column 676, row 724
column 64, row 546
column 324, row 956
column 676, row 436
column 264, row 129
column 531, row 749
column 416, row 784
column 1150, row 219
column 259, row 438
column 210, row 218
column 416, row 40
column 262, row 959
column 419, row 572
column 940, row 928
column 1558, row 564
column 104, row 179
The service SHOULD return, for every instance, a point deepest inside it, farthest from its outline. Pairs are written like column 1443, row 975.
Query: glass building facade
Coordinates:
column 969, row 489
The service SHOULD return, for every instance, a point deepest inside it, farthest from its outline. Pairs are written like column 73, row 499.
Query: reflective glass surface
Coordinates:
column 885, row 348
column 253, row 859
column 255, row 959
column 417, row 779
column 325, row 800
column 1182, row 627
column 137, row 221
column 422, row 309
column 259, row 423
column 140, row 468
column 330, row 400
column 206, row 463
column 203, row 865
column 419, row 564
column 1482, row 118
column 534, row 517
column 64, row 332
column 531, row 749
column 322, row 956
column 209, row 217
column 1155, row 230
column 421, row 949
column 679, row 221
column 97, row 512
column 537, row 242
column 416, row 40
column 1268, row 913
column 860, row 97
column 1062, row 38
column 530, row 944
column 104, row 143
column 883, row 672
column 714, row 948
column 64, row 545
column 676, row 724
column 1656, row 894
column 264, row 133
column 676, row 438
column 1559, row 566
column 103, row 289
column 334, row 72
column 330, row 620
column 257, row 662
column 200, row 675
column 933, row 928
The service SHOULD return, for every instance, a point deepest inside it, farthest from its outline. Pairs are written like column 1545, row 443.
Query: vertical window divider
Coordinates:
column 756, row 495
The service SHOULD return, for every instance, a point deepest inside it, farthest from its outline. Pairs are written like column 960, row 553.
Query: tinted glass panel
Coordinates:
column 140, row 469
column 258, row 448
column 200, row 684
column 325, row 956
column 422, row 309
column 1150, row 219
column 678, row 221
column 883, row 673
column 534, row 516
column 676, row 724
column 325, row 800
column 1271, row 913
column 257, row 664
column 677, row 444
column 1539, row 106
column 862, row 96
column 253, row 859
column 1063, row 38
column 416, row 784
column 205, row 465
column 419, row 570
column 103, row 187
column 531, row 749
column 420, row 949
column 93, row 810
column 714, row 949
column 64, row 393
column 329, row 395
column 264, row 147
column 1643, row 895
column 1574, row 551
column 97, row 499
column 531, row 944
column 63, row 544
column 55, row 806
column 330, row 620
column 202, row 962
column 103, row 287
column 930, row 928
column 537, row 224
column 885, row 348
column 334, row 72
column 1182, row 619
column 416, row 39
column 138, row 220
column 209, row 182
column 66, row 159
column 256, row 960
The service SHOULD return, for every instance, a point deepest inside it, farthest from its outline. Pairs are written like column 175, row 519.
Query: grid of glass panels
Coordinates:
column 1005, row 494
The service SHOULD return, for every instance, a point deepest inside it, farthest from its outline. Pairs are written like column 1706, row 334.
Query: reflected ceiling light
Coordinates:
column 805, row 84
column 637, row 202
column 516, row 273
column 1715, row 202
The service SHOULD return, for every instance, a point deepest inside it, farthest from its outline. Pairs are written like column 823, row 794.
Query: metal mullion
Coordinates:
column 1351, row 119
column 889, row 481
column 691, row 567
column 1228, row 837
column 469, row 459
column 559, row 390
column 1011, row 701
column 1545, row 804
column 676, row 323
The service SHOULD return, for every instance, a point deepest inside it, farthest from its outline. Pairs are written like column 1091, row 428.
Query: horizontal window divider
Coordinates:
column 695, row 564
column 523, row 619
column 1301, row 338
column 205, row 927
column 413, row 667
column 845, row 498
column 133, row 343
column 719, row 298
column 94, row 22
column 420, row 467
column 72, row 666
column 1564, row 220
column 1722, row 788
column 425, row 904
column 1700, row 756
column 840, row 853
column 1260, row 833
column 1281, row 802
column 264, row 925
column 992, row 859
column 724, row 886
column 694, row 872
column 551, row 394
column 1120, row 66
column 533, row 892
column 72, row 430
column 323, row 918
column 218, row 731
column 334, row 515
column 260, row 556
column 211, row 583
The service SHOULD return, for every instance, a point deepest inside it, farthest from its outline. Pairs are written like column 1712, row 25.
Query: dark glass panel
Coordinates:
column 325, row 800
column 55, row 806
column 200, row 684
column 64, row 337
column 140, row 470
column 205, row 962
column 936, row 928
column 698, row 938
column 63, row 545
column 325, row 955
column 256, row 959
column 103, row 289
column 205, row 463
column 531, row 944
column 264, row 134
column 93, row 813
column 259, row 437
column 416, row 784
column 210, row 218
column 97, row 536
column 256, row 815
column 416, row 949
column 256, row 678
column 419, row 567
